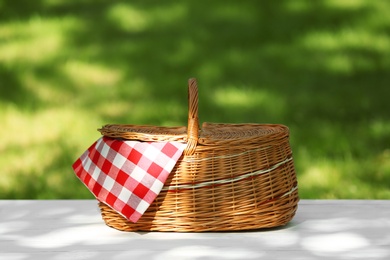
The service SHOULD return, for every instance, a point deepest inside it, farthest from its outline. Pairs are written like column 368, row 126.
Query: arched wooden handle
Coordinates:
column 193, row 120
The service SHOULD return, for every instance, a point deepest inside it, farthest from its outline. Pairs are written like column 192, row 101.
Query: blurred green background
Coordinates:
column 320, row 67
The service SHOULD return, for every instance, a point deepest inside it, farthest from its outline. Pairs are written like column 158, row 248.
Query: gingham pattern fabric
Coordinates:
column 127, row 175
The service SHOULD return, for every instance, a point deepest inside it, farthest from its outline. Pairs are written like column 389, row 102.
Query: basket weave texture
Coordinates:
column 230, row 177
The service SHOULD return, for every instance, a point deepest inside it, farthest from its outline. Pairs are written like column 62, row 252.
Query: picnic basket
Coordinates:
column 230, row 176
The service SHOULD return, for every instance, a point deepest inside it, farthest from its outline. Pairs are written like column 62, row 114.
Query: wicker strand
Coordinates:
column 226, row 180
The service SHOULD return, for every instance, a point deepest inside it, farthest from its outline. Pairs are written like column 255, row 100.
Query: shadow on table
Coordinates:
column 30, row 230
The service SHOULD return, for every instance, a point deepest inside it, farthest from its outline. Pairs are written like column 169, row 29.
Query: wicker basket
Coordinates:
column 230, row 177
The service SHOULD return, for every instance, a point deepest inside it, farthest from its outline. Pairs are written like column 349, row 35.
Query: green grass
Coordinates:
column 320, row 67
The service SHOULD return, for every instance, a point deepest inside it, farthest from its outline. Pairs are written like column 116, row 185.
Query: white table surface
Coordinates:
column 73, row 229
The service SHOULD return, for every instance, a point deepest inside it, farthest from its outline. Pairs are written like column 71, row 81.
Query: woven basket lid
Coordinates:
column 212, row 133
column 209, row 134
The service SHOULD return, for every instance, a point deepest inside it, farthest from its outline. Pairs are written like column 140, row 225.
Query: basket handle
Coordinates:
column 193, row 120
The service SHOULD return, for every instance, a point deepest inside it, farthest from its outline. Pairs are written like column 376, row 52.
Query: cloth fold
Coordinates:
column 127, row 175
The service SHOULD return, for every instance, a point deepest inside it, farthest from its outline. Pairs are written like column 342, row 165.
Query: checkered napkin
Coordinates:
column 127, row 175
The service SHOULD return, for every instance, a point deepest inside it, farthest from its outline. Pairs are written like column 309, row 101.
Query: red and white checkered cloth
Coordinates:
column 127, row 175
